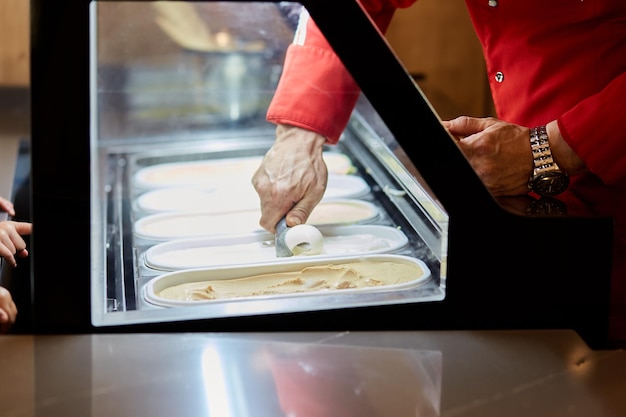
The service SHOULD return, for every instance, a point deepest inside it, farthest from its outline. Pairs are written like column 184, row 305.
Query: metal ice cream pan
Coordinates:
column 259, row 248
column 230, row 275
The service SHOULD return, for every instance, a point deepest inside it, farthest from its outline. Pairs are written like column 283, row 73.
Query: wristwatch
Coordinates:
column 547, row 178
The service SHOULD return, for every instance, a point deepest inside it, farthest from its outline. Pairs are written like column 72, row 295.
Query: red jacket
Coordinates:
column 561, row 59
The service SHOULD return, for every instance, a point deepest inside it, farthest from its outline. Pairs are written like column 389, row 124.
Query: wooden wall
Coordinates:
column 435, row 38
column 14, row 43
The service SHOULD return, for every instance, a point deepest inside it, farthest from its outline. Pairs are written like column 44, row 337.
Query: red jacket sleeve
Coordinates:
column 593, row 130
column 315, row 91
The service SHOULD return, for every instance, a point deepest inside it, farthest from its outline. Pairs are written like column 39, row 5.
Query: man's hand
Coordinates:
column 499, row 152
column 292, row 177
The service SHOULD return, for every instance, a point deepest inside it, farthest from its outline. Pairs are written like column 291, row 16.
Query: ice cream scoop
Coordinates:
column 302, row 239
column 282, row 251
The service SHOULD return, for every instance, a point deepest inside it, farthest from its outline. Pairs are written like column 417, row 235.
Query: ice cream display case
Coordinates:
column 146, row 171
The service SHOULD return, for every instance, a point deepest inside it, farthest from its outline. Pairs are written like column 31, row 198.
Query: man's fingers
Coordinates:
column 465, row 126
column 299, row 214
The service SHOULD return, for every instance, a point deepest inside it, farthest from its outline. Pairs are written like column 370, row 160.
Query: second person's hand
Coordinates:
column 8, row 310
column 6, row 205
column 292, row 177
column 12, row 244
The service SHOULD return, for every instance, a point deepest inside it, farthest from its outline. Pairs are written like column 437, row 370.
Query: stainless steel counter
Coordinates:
column 442, row 373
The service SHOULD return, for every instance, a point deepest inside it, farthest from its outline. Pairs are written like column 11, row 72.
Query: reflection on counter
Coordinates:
column 319, row 381
column 201, row 375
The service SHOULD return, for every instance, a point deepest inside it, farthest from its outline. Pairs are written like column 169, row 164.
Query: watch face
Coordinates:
column 550, row 183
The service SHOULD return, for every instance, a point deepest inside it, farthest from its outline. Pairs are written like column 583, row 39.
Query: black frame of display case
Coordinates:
column 498, row 275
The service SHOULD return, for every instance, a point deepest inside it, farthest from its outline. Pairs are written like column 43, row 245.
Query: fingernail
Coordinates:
column 295, row 221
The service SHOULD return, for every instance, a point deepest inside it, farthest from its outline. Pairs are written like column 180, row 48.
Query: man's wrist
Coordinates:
column 562, row 153
column 305, row 137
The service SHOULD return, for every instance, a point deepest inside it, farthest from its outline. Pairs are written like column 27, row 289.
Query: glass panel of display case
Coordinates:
column 179, row 93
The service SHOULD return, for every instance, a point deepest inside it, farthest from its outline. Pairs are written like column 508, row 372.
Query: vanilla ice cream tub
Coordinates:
column 342, row 275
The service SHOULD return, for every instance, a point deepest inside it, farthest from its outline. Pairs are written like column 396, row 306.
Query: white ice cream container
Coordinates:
column 154, row 287
column 186, row 225
column 259, row 248
column 222, row 198
column 212, row 173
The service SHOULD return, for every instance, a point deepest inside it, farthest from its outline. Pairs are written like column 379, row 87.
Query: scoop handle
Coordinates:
column 282, row 251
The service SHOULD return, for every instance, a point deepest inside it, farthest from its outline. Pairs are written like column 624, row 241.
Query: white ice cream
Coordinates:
column 222, row 197
column 304, row 239
column 215, row 172
column 261, row 251
column 169, row 226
